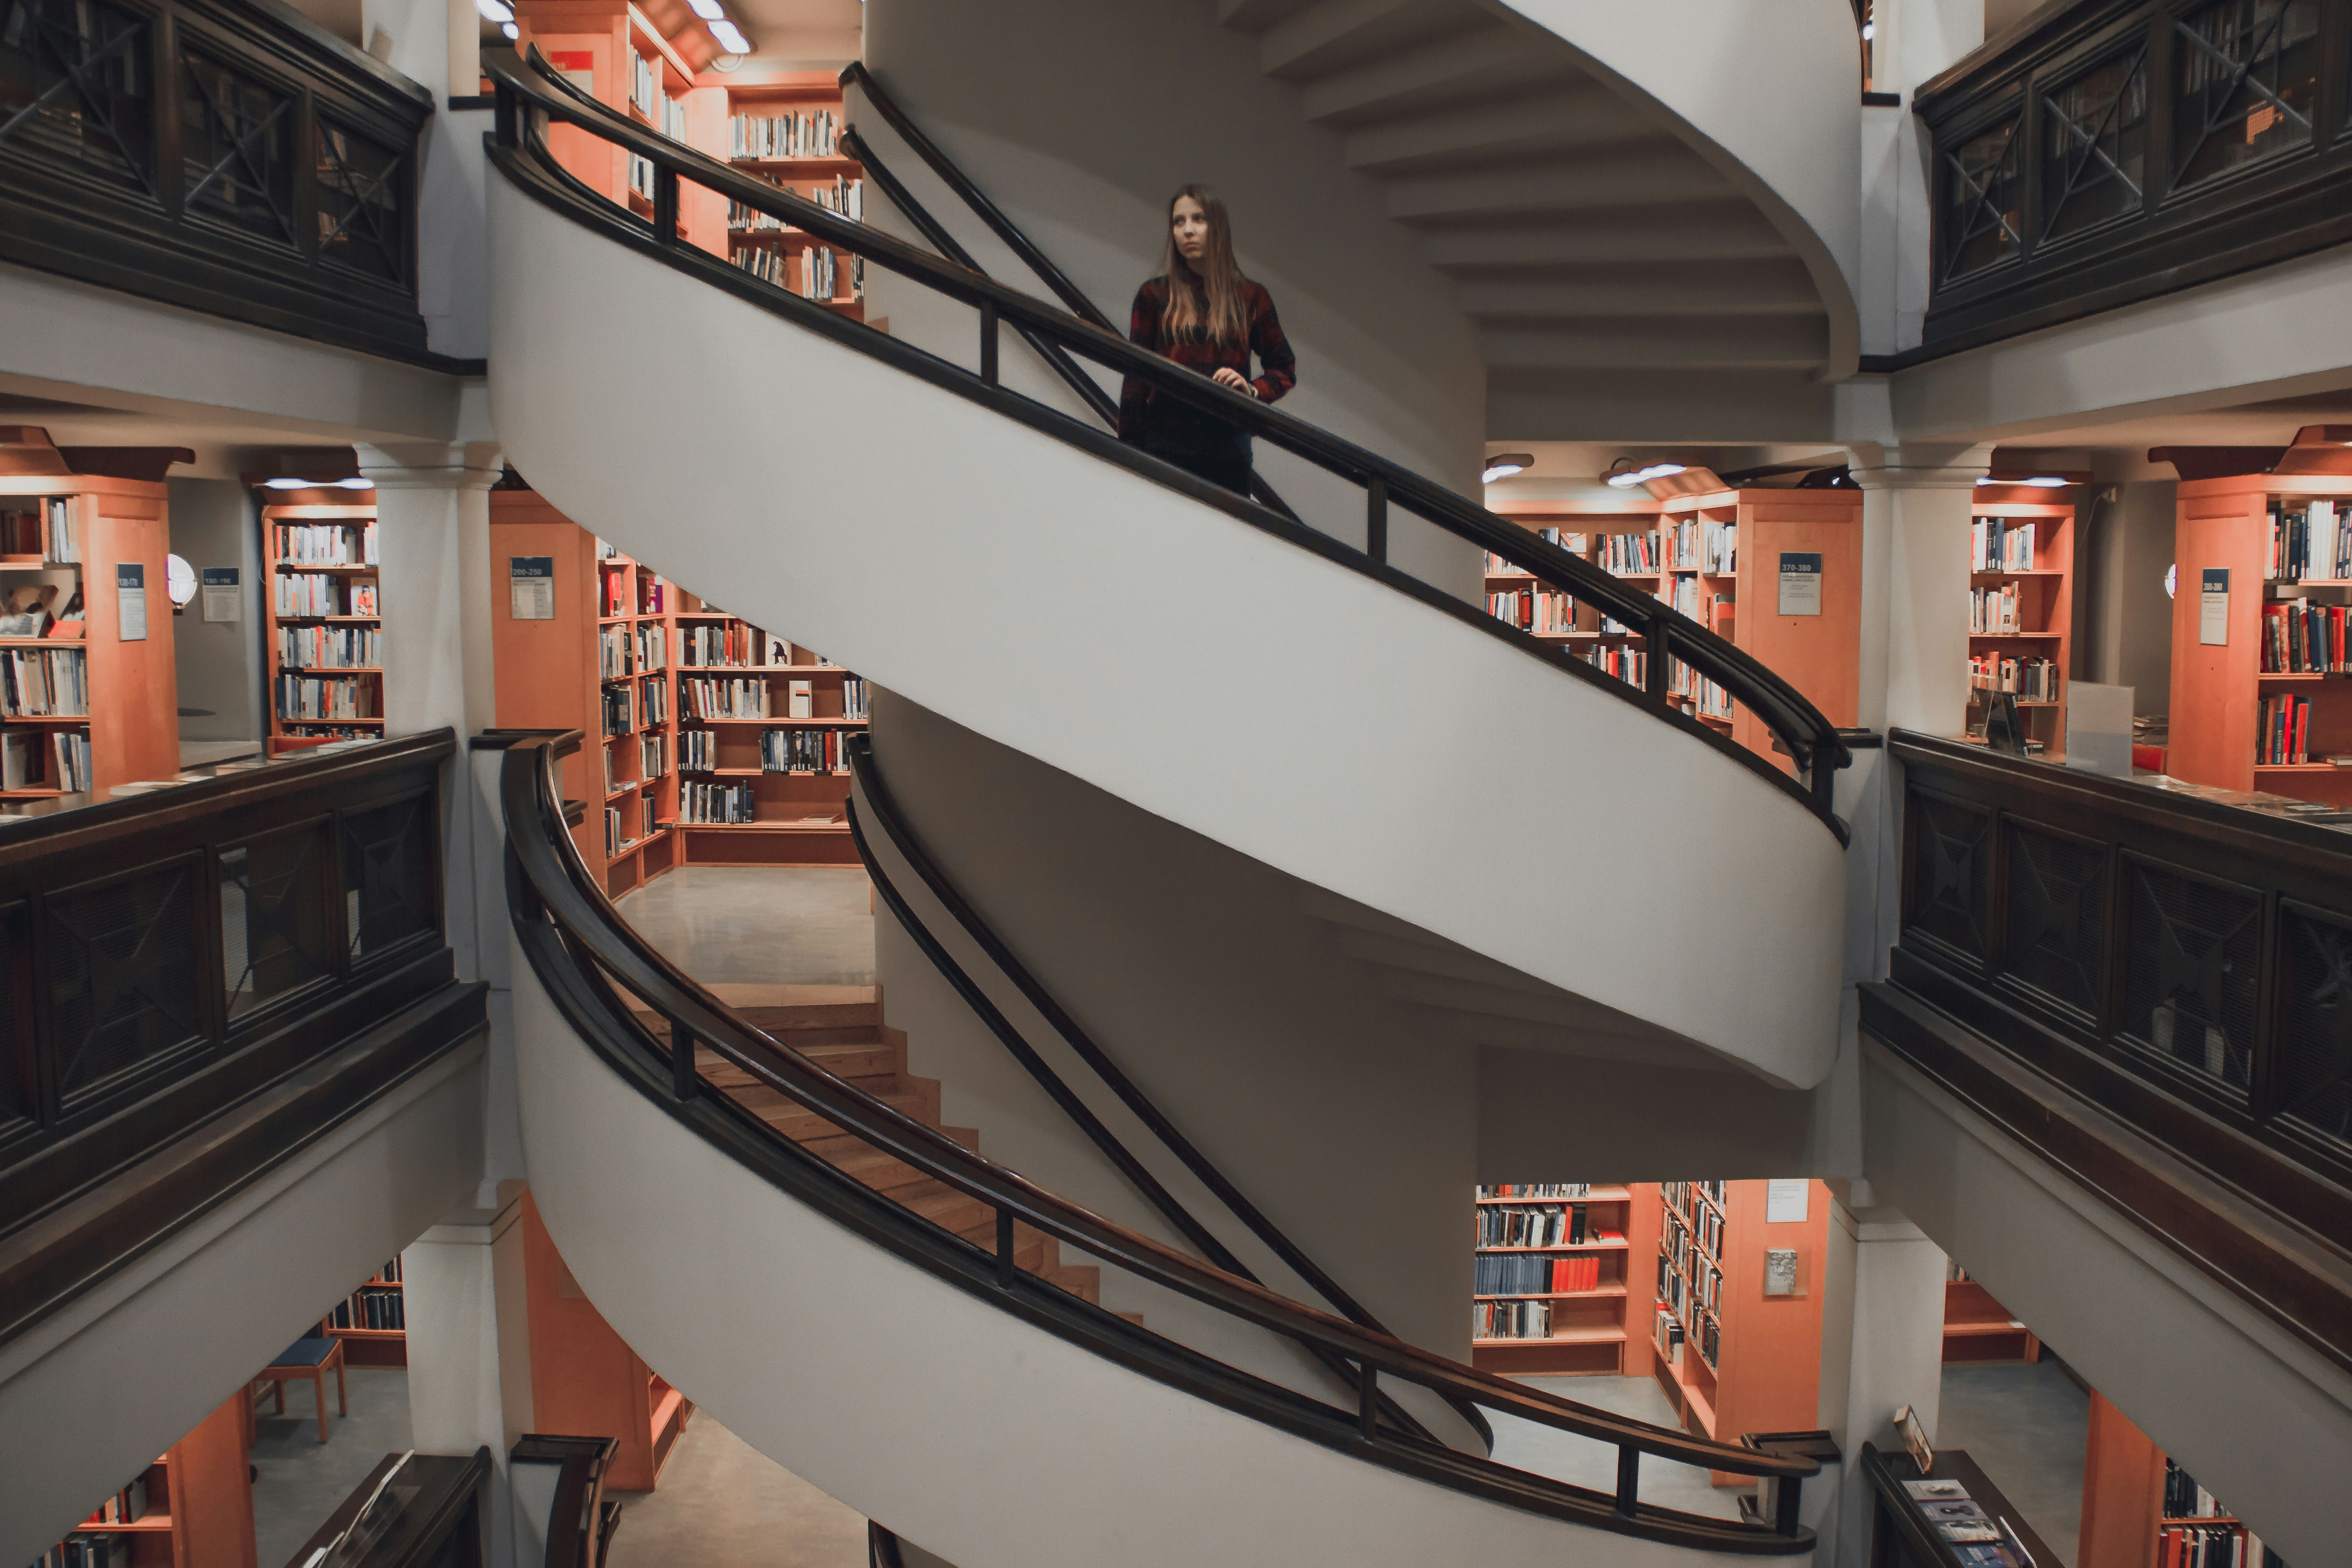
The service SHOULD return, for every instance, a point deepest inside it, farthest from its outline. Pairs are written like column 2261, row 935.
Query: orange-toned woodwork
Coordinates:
column 779, row 93
column 2218, row 691
column 325, row 504
column 2046, row 595
column 546, row 670
column 592, row 42
column 2123, row 1491
column 135, row 692
column 1642, row 1221
column 1978, row 1329
column 584, row 1381
column 1591, row 1334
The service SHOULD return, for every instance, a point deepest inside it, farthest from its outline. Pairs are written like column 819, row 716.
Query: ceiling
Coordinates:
column 224, row 449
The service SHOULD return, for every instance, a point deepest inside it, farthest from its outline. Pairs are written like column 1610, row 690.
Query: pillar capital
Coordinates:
column 1919, row 464
column 432, row 465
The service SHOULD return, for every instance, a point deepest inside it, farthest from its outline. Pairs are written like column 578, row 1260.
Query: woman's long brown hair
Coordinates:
column 1206, row 298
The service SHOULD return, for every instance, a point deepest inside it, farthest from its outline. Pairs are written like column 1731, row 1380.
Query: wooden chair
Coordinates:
column 310, row 1358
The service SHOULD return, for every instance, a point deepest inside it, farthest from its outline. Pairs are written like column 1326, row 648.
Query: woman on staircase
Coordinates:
column 1201, row 312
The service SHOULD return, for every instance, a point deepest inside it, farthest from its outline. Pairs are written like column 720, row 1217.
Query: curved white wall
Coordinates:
column 1183, row 660
column 984, row 1440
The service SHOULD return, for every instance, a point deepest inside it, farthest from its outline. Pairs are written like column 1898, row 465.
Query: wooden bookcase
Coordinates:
column 130, row 729
column 2044, row 596
column 199, row 1499
column 330, row 600
column 1977, row 1329
column 2218, row 689
column 1765, row 1374
column 2126, row 1521
column 1588, row 1326
column 363, row 1345
column 551, row 675
column 584, row 1381
column 799, row 815
column 614, row 51
column 1819, row 655
column 830, row 179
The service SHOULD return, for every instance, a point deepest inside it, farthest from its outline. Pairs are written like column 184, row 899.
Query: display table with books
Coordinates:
column 1950, row 1517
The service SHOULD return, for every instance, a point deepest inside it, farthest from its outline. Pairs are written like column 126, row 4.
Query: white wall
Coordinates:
column 453, row 286
column 1165, row 652
column 2127, row 638
column 214, row 523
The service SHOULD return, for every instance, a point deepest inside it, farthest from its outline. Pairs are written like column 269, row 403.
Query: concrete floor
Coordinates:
column 1582, row 1461
column 2026, row 1426
column 723, row 1504
column 200, row 754
column 298, row 1483
column 761, row 925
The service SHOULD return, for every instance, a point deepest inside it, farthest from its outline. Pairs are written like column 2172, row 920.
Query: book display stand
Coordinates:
column 88, row 691
column 191, row 1508
column 1552, row 1278
column 323, row 618
column 784, row 128
column 2022, row 605
column 2263, row 590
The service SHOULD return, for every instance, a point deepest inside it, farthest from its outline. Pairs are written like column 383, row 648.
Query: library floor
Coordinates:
column 1583, row 1462
column 297, row 1482
column 2026, row 1426
column 761, row 925
column 724, row 1504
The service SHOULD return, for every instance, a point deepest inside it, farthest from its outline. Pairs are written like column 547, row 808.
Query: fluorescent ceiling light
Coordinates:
column 708, row 10
column 2040, row 482
column 1869, row 31
column 730, row 38
column 495, row 10
column 1632, row 476
column 1503, row 464
column 355, row 484
column 288, row 484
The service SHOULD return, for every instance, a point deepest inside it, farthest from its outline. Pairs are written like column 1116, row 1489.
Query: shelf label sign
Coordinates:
column 130, row 601
column 530, row 588
column 222, row 601
column 2213, row 607
column 1801, row 583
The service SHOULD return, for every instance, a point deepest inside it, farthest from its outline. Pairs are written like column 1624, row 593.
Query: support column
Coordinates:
column 1882, row 1348
column 1917, row 501
column 469, row 1346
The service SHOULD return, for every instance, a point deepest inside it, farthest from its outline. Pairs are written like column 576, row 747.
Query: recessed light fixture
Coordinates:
column 495, row 10
column 510, row 30
column 1503, row 464
column 288, row 484
column 1629, row 478
column 708, row 10
column 729, row 36
column 2039, row 482
column 355, row 484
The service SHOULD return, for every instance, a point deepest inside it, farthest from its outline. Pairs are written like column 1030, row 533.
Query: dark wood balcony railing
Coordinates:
column 2104, row 152
column 228, row 156
column 201, row 957
column 2174, row 975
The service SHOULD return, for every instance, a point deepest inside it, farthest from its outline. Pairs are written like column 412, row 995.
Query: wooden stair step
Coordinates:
column 1083, row 1281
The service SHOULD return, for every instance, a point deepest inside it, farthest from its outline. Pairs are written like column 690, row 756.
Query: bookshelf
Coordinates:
column 584, row 1380
column 372, row 1321
column 1551, row 1281
column 583, row 638
column 2222, row 693
column 323, row 618
column 1734, row 1304
column 615, row 53
column 83, row 706
column 782, row 128
column 1705, row 555
column 2140, row 1508
column 2021, row 604
column 1980, row 1330
column 191, row 1508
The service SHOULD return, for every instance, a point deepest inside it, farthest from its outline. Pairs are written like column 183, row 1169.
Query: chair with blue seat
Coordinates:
column 310, row 1358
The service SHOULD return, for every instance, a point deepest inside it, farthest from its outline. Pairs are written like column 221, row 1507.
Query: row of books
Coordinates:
column 1992, row 611
column 736, row 643
column 1558, row 1277
column 620, row 710
column 815, row 134
column 330, row 648
column 652, row 649
column 1709, row 698
column 2183, row 1544
column 303, row 594
column 614, row 842
column 654, row 699
column 2000, row 544
column 653, row 756
column 370, row 1306
column 2283, row 735
column 613, row 597
column 23, row 752
column 87, row 1551
column 1630, row 664
column 715, row 802
column 1540, row 610
column 1705, row 1222
column 1666, row 1330
column 844, row 195
column 802, row 752
column 697, row 750
column 1718, row 547
column 327, row 543
column 40, row 526
column 1513, row 1274
column 1688, row 1196
column 1497, row 566
column 614, row 649
column 1544, row 1225
column 706, row 696
column 2308, row 543
column 646, row 97
column 327, row 697
column 2033, row 680
column 1537, row 1189
column 1700, row 1279
column 767, row 266
column 1510, row 1320
column 2299, row 635
column 856, row 696
column 1629, row 553
column 45, row 682
column 821, row 274
column 641, row 176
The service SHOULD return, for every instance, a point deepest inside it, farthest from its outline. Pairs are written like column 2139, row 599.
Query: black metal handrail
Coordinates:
column 520, row 153
column 581, row 949
column 1056, row 1088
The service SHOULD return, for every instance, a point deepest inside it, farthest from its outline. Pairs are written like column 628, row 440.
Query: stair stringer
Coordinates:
column 990, row 1442
column 1251, row 691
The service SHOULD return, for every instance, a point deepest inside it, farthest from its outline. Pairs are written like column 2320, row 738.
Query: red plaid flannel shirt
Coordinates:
column 1278, row 364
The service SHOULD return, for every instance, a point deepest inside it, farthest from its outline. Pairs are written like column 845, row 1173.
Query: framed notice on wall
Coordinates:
column 530, row 588
column 1801, row 583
